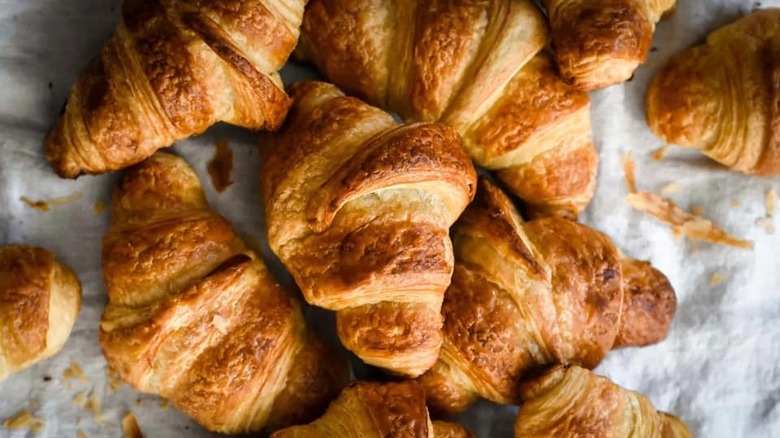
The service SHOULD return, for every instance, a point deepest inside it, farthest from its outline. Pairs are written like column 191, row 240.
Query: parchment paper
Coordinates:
column 718, row 369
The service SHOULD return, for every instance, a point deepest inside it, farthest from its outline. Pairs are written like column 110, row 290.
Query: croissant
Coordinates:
column 172, row 69
column 569, row 401
column 599, row 43
column 723, row 97
column 366, row 409
column 358, row 209
column 39, row 302
column 479, row 67
column 196, row 317
column 528, row 294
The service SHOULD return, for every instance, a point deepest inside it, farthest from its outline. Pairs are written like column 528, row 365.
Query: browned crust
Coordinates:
column 420, row 60
column 535, row 99
column 590, row 35
column 370, row 409
column 572, row 401
column 186, row 296
column 698, row 98
column 364, row 229
column 408, row 154
column 156, row 81
column 25, row 291
column 649, row 304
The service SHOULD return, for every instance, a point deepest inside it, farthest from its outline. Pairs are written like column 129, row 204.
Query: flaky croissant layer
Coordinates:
column 196, row 317
column 39, row 302
column 480, row 67
column 367, row 409
column 172, row 69
column 358, row 208
column 723, row 97
column 569, row 402
column 526, row 294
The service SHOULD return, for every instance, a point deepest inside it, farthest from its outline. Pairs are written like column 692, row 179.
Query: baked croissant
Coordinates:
column 599, row 43
column 39, row 302
column 477, row 66
column 723, row 97
column 528, row 294
column 358, row 208
column 172, row 69
column 569, row 402
column 366, row 409
column 195, row 316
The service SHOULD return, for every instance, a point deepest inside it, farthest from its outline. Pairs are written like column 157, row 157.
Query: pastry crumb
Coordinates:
column 94, row 405
column 24, row 420
column 80, row 434
column 771, row 202
column 74, row 372
column 716, row 279
column 692, row 226
column 114, row 381
column 669, row 189
column 629, row 170
column 80, row 399
column 45, row 205
column 659, row 153
column 130, row 426
column 100, row 207
column 735, row 204
column 220, row 166
column 164, row 404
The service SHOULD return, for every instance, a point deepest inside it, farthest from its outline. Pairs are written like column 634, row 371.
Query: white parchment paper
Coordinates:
column 718, row 370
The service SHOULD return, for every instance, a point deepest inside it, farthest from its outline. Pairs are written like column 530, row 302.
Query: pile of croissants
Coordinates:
column 458, row 287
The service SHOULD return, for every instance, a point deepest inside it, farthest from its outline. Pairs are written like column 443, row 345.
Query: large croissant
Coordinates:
column 477, row 66
column 599, row 43
column 358, row 208
column 570, row 402
column 194, row 316
column 172, row 69
column 39, row 303
column 528, row 294
column 366, row 409
column 723, row 97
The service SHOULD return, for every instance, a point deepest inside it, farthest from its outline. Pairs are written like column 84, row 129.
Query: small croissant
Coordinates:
column 39, row 302
column 723, row 97
column 172, row 69
column 366, row 409
column 570, row 402
column 358, row 208
column 528, row 294
column 480, row 67
column 599, row 43
column 195, row 316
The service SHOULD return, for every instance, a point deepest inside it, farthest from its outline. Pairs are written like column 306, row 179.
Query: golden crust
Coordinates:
column 571, row 401
column 195, row 317
column 171, row 70
column 528, row 294
column 475, row 66
column 358, row 209
column 39, row 302
column 723, row 97
column 600, row 43
column 371, row 409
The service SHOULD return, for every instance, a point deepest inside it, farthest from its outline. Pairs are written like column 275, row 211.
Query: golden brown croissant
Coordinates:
column 39, row 302
column 569, row 402
column 366, row 409
column 599, row 43
column 194, row 316
column 477, row 66
column 528, row 294
column 723, row 97
column 358, row 208
column 172, row 69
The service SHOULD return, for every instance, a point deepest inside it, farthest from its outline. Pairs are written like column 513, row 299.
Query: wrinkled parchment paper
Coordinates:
column 718, row 370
